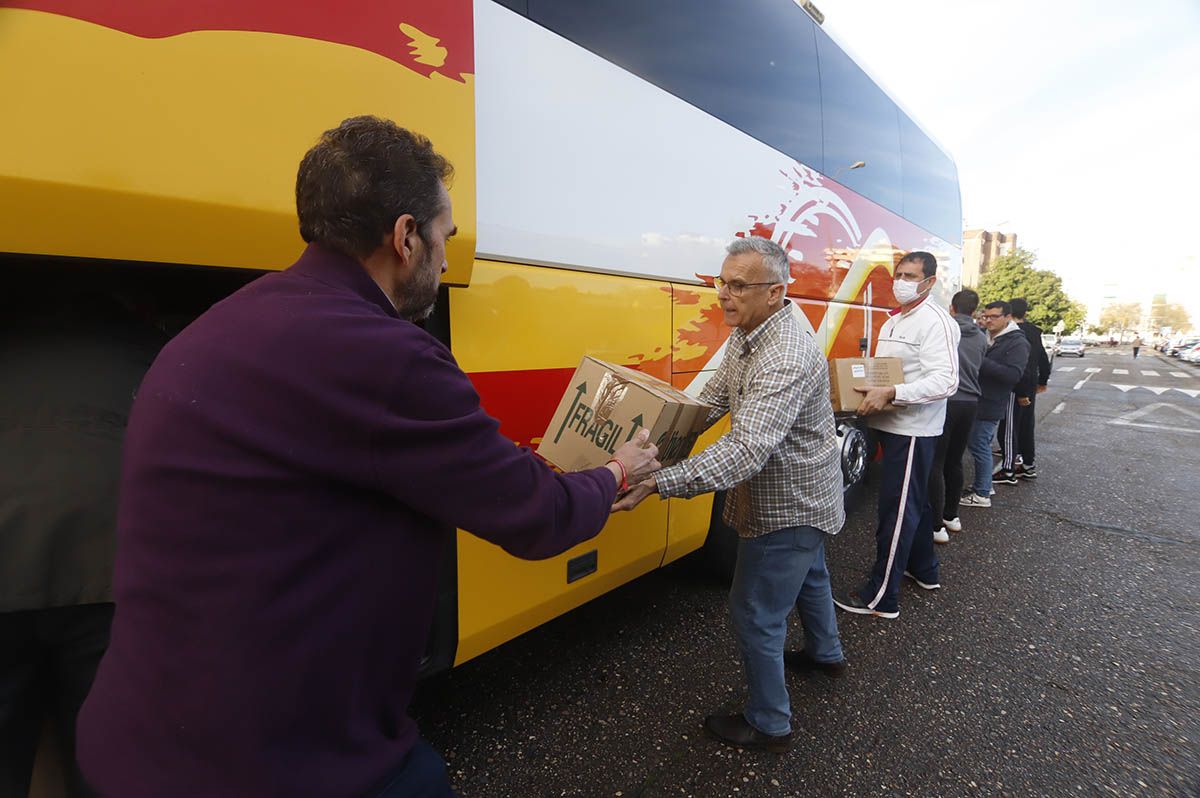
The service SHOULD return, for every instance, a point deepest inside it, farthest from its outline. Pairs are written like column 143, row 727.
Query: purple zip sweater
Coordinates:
column 293, row 464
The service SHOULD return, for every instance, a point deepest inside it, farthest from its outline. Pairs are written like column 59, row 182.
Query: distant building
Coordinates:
column 1153, row 319
column 980, row 249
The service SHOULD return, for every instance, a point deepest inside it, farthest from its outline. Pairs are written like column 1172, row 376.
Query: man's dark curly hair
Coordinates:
column 363, row 175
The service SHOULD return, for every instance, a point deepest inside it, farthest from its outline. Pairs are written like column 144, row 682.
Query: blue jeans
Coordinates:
column 774, row 572
column 423, row 775
column 982, row 433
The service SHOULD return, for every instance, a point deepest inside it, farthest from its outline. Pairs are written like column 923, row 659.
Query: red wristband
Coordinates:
column 624, row 486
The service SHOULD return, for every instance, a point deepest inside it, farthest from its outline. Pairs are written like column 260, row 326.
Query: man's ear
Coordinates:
column 781, row 295
column 405, row 239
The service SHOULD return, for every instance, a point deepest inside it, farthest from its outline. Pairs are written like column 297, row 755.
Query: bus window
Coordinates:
column 930, row 184
column 860, row 125
column 752, row 64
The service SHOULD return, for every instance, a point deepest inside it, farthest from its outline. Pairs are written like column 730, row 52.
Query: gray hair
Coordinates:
column 773, row 256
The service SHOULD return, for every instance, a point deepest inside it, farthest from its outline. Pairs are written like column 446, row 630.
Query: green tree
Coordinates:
column 1074, row 318
column 1121, row 316
column 1014, row 275
column 1174, row 316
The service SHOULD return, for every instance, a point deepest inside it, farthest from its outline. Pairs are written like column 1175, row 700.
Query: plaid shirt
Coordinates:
column 780, row 460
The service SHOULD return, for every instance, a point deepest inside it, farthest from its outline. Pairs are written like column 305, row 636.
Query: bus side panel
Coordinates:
column 688, row 520
column 519, row 332
column 171, row 132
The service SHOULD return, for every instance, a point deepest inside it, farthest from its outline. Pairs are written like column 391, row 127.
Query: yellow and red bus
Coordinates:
column 605, row 151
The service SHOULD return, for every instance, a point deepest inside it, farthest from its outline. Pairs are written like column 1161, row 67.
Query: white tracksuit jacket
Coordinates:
column 926, row 341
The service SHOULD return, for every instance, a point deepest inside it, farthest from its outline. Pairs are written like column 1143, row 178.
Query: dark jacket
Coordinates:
column 68, row 373
column 296, row 461
column 999, row 372
column 971, row 348
column 1037, row 370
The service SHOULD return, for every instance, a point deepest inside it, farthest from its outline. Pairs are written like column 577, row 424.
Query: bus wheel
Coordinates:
column 853, row 446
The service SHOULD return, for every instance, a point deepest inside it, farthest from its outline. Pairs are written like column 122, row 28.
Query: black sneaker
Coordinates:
column 924, row 585
column 735, row 730
column 852, row 602
column 1005, row 478
column 1027, row 472
column 801, row 662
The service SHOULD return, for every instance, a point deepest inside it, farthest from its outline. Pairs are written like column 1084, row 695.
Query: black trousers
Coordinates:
column 904, row 537
column 1026, row 420
column 48, row 659
column 946, row 476
column 1020, row 442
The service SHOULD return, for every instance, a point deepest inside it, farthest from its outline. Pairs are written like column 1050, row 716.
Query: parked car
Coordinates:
column 1071, row 346
column 1192, row 354
column 1179, row 348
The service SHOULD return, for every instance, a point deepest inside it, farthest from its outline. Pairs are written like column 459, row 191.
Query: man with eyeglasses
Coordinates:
column 780, row 463
column 1002, row 366
column 909, row 419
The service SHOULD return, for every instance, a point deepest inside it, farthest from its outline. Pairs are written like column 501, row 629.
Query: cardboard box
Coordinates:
column 605, row 405
column 848, row 373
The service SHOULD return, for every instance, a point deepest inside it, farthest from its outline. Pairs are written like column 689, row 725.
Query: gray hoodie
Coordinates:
column 971, row 348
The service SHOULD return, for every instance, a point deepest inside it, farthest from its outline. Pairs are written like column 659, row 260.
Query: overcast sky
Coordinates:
column 1075, row 124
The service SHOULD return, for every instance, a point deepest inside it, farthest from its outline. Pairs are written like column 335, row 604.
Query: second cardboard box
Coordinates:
column 848, row 373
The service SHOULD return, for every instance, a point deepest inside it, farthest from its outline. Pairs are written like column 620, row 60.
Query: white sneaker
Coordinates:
column 975, row 500
column 941, row 536
column 953, row 524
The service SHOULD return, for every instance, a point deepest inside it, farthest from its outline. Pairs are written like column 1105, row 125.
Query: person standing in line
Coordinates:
column 946, row 475
column 780, row 463
column 909, row 418
column 296, row 463
column 1001, row 368
column 1032, row 382
column 1137, row 345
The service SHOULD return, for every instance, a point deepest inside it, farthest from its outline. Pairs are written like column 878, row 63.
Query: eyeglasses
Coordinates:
column 991, row 315
column 736, row 288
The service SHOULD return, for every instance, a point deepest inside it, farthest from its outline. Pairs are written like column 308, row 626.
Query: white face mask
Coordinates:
column 906, row 291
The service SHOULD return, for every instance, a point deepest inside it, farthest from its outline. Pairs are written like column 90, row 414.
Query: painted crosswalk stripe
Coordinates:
column 1180, row 374
column 1097, row 371
column 1120, row 371
column 1149, row 373
column 1066, row 368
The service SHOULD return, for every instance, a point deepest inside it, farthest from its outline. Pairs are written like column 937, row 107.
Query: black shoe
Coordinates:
column 852, row 602
column 801, row 662
column 924, row 585
column 1005, row 478
column 735, row 730
column 1027, row 472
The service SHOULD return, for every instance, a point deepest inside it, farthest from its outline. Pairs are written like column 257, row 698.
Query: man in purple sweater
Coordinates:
column 294, row 463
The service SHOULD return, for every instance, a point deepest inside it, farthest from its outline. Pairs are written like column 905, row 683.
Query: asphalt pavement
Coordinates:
column 1060, row 658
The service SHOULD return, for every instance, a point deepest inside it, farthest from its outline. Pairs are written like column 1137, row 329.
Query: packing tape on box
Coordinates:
column 608, row 395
